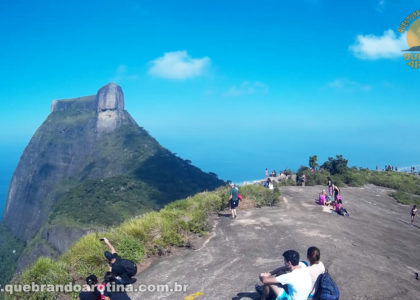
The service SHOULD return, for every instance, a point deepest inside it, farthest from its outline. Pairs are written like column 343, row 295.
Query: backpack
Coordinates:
column 129, row 267
column 327, row 289
column 239, row 196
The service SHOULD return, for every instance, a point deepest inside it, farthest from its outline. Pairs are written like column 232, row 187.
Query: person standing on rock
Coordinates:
column 330, row 187
column 266, row 173
column 336, row 191
column 413, row 214
column 233, row 199
column 303, row 179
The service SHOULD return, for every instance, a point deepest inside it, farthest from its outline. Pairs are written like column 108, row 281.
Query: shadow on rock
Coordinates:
column 226, row 215
column 247, row 295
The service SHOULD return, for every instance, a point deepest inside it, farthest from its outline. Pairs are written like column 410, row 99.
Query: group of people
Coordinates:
column 273, row 173
column 333, row 199
column 295, row 280
column 120, row 274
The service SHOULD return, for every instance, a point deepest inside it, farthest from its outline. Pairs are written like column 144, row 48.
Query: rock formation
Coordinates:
column 90, row 138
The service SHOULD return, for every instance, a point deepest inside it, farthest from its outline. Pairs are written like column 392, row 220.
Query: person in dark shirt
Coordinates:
column 233, row 200
column 116, row 265
column 114, row 290
column 93, row 293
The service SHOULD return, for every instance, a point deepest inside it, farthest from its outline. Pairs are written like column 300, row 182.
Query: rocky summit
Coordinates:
column 90, row 165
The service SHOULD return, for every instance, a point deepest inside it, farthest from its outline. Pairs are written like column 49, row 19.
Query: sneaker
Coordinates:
column 259, row 288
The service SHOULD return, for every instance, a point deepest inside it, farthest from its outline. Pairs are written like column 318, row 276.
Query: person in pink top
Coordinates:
column 322, row 198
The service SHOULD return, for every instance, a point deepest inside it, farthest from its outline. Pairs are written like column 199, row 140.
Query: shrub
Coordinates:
column 86, row 256
column 45, row 271
column 260, row 196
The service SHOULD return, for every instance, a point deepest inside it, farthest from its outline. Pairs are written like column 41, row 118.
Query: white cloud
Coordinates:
column 376, row 47
column 122, row 75
column 247, row 88
column 178, row 65
column 346, row 84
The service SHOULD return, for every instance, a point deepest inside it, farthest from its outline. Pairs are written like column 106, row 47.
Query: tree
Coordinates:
column 313, row 162
column 336, row 166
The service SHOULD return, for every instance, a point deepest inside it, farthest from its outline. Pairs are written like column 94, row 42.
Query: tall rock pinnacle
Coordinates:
column 110, row 106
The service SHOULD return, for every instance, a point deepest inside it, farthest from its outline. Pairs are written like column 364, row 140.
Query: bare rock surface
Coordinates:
column 373, row 254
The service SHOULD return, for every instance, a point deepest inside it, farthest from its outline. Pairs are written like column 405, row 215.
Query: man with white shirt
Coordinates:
column 294, row 285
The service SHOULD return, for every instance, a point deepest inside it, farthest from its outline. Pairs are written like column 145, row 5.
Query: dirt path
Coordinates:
column 371, row 255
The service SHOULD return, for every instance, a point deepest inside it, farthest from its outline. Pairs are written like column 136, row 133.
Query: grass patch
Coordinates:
column 139, row 237
column 260, row 196
column 45, row 271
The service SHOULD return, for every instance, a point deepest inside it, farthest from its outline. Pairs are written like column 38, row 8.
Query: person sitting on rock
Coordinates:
column 114, row 290
column 316, row 267
column 123, row 269
column 92, row 292
column 340, row 209
column 322, row 198
column 294, row 285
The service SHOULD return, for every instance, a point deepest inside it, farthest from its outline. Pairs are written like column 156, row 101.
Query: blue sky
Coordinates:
column 234, row 86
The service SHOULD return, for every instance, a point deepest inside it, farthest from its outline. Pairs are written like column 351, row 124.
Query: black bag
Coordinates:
column 327, row 289
column 129, row 267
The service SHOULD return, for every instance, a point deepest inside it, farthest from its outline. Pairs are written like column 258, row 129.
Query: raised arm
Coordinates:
column 111, row 248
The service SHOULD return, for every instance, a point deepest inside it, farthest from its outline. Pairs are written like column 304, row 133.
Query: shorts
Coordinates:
column 233, row 204
column 284, row 296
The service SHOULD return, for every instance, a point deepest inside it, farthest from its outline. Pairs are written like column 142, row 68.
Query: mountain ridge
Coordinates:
column 89, row 139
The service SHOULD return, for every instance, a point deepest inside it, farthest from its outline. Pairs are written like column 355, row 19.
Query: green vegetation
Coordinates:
column 45, row 271
column 313, row 162
column 261, row 197
column 107, row 201
column 151, row 234
column 11, row 249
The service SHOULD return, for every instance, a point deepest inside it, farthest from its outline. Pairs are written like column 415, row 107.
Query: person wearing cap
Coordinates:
column 117, row 265
column 92, row 292
column 233, row 199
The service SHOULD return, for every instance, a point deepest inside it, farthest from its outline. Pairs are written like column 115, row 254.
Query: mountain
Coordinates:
column 90, row 165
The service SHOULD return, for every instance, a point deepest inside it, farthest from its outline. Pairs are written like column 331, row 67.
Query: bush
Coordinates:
column 86, row 257
column 405, row 198
column 45, row 271
column 261, row 196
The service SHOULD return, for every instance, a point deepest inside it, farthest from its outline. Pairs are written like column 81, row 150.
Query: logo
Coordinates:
column 411, row 25
column 193, row 296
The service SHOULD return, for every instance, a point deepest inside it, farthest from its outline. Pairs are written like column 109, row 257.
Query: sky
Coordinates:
column 233, row 86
